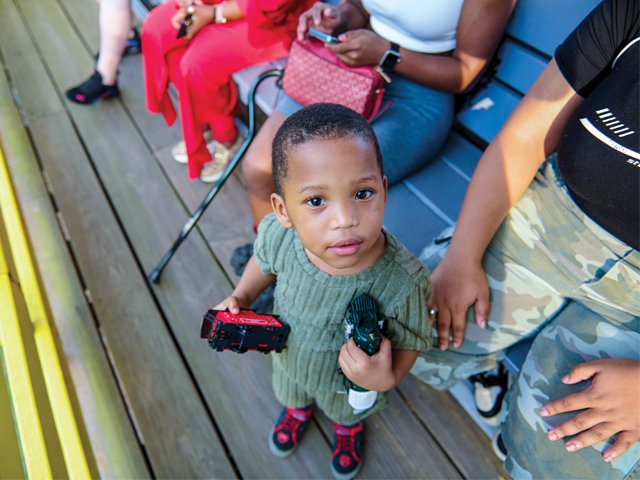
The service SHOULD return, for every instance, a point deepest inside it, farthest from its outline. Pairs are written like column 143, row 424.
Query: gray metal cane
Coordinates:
column 154, row 276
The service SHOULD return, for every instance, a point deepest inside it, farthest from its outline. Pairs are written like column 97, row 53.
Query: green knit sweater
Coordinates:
column 315, row 303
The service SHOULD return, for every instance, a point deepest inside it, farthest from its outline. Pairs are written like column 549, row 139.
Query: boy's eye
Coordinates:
column 363, row 194
column 315, row 201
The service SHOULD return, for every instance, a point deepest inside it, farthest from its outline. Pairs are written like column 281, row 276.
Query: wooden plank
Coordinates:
column 397, row 445
column 140, row 193
column 465, row 443
column 230, row 207
column 111, row 435
column 142, row 350
column 227, row 223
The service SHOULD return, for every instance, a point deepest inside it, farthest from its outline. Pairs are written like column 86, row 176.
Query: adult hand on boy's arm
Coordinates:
column 251, row 284
column 380, row 372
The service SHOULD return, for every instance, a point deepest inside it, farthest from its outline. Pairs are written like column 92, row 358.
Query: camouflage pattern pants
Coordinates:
column 558, row 277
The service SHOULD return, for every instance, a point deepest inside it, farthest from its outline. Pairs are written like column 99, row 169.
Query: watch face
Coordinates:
column 390, row 59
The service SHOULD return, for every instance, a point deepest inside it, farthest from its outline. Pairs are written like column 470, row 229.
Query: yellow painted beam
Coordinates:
column 64, row 417
column 34, row 453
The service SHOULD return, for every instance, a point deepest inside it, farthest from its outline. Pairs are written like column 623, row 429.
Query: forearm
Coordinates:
column 252, row 283
column 403, row 360
column 230, row 10
column 510, row 162
column 447, row 73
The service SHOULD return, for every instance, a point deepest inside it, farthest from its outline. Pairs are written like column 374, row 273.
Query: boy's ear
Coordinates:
column 279, row 208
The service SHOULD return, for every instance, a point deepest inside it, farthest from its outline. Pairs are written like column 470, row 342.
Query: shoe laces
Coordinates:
column 293, row 419
column 346, row 438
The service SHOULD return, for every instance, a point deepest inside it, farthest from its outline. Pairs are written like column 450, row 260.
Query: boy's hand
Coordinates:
column 371, row 372
column 232, row 303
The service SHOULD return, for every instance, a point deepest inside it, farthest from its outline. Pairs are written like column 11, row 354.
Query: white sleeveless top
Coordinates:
column 427, row 26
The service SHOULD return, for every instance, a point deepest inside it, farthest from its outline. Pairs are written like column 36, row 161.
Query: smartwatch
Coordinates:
column 389, row 60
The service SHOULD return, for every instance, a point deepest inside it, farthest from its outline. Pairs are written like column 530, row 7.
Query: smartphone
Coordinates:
column 184, row 26
column 325, row 37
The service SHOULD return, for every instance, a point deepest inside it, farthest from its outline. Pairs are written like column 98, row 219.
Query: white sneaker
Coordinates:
column 212, row 171
column 179, row 151
column 489, row 389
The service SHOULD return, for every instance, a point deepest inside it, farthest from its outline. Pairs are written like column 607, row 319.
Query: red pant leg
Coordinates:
column 208, row 95
column 161, row 54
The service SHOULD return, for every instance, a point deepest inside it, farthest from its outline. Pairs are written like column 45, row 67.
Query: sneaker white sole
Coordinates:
column 343, row 476
column 277, row 452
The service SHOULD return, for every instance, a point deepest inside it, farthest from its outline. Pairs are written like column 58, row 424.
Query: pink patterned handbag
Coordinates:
column 314, row 75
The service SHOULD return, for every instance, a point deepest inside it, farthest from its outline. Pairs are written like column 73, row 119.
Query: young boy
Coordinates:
column 326, row 245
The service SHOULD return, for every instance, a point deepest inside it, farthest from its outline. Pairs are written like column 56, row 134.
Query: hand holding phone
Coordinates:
column 184, row 25
column 325, row 37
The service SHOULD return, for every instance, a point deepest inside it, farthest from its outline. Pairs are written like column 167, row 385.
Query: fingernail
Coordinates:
column 565, row 379
column 552, row 435
column 544, row 412
column 456, row 344
column 483, row 324
column 609, row 457
column 572, row 447
column 443, row 347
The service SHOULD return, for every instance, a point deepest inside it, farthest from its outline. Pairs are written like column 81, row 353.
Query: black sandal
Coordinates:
column 92, row 90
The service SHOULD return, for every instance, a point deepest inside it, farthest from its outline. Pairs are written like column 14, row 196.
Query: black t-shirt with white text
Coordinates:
column 599, row 152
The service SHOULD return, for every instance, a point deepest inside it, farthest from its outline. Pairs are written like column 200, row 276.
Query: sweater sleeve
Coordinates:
column 267, row 249
column 409, row 328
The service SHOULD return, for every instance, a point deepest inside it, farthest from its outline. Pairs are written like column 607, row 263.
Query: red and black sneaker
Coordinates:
column 289, row 429
column 346, row 459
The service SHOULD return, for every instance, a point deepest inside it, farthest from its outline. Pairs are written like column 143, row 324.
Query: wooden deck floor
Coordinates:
column 155, row 399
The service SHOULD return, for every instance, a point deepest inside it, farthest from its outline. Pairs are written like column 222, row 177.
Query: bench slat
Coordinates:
column 519, row 67
column 488, row 111
column 543, row 24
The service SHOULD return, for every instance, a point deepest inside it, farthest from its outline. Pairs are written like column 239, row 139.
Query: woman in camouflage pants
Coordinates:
column 530, row 262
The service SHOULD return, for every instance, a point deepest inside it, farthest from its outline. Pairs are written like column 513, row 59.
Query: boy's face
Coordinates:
column 335, row 196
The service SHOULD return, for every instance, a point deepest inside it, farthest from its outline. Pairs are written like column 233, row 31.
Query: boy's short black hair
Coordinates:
column 320, row 121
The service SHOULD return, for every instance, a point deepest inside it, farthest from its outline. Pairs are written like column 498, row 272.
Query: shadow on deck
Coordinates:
column 102, row 201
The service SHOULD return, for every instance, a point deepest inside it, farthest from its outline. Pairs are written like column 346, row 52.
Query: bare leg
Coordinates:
column 256, row 168
column 115, row 25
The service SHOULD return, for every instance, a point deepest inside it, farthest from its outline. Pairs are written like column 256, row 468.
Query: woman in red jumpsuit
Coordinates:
column 224, row 37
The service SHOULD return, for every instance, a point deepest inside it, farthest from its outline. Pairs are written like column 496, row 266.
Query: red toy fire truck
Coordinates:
column 244, row 331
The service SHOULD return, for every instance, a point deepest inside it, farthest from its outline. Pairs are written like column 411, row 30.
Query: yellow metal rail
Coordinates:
column 24, row 322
